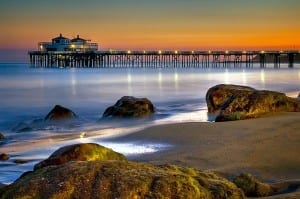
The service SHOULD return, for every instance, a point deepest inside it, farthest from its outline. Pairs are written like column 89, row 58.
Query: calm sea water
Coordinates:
column 28, row 94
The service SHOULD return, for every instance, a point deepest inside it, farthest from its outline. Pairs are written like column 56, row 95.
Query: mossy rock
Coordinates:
column 253, row 187
column 4, row 157
column 60, row 112
column 2, row 136
column 130, row 107
column 80, row 152
column 120, row 179
column 234, row 102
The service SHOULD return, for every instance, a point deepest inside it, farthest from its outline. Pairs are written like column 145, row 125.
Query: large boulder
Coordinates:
column 120, row 179
column 234, row 102
column 59, row 112
column 253, row 187
column 80, row 152
column 129, row 106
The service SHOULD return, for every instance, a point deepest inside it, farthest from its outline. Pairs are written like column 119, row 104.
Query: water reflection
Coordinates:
column 226, row 76
column 262, row 77
column 129, row 85
column 176, row 81
column 73, row 84
column 160, row 79
column 244, row 77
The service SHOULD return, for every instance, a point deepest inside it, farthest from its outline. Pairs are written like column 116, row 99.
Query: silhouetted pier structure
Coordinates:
column 161, row 59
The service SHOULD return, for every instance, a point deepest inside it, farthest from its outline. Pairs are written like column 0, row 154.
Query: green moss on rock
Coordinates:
column 252, row 187
column 80, row 152
column 234, row 102
column 120, row 179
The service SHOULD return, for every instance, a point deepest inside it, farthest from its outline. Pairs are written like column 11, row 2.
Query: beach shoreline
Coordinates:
column 268, row 147
column 265, row 147
column 224, row 147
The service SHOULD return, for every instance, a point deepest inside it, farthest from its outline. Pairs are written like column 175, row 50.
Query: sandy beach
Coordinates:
column 267, row 147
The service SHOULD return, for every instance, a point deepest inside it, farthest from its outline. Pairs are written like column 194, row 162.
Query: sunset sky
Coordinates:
column 153, row 24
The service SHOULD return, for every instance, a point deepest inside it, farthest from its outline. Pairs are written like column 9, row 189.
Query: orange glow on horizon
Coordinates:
column 141, row 33
column 235, row 41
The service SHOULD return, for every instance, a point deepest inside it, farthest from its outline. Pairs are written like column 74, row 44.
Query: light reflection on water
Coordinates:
column 29, row 93
column 244, row 77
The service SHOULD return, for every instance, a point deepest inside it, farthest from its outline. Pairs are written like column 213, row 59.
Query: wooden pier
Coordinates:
column 161, row 59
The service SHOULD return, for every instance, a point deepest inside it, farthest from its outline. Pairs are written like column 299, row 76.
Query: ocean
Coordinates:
column 178, row 94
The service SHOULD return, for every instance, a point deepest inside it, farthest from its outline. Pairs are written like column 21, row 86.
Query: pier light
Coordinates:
column 244, row 51
column 159, row 52
column 176, row 51
column 262, row 52
column 193, row 52
column 226, row 51
column 41, row 47
column 129, row 52
column 144, row 52
column 110, row 50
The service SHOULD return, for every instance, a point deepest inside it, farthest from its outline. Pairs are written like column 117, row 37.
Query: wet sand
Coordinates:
column 267, row 147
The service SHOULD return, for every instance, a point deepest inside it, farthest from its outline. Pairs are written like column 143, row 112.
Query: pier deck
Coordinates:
column 161, row 59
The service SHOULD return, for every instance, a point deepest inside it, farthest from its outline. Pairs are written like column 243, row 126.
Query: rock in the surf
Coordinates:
column 60, row 112
column 234, row 102
column 129, row 106
column 4, row 157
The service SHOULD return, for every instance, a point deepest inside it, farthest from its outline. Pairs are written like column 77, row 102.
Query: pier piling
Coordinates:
column 159, row 59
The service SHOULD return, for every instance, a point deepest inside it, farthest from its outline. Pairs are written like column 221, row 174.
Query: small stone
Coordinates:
column 4, row 157
column 20, row 161
column 22, row 127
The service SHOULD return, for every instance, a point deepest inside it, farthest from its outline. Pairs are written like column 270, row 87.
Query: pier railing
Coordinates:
column 161, row 59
